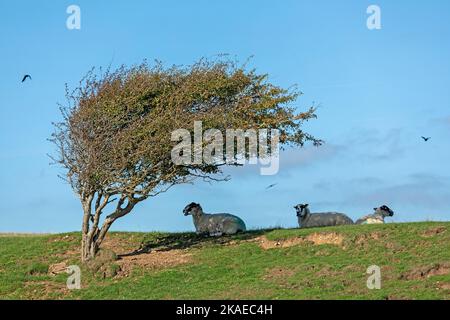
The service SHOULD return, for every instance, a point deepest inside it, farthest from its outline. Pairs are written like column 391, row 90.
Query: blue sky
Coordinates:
column 379, row 91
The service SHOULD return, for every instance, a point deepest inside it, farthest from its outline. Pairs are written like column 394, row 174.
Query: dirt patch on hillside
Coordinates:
column 57, row 268
column 363, row 238
column 267, row 244
column 153, row 260
column 278, row 274
column 315, row 238
column 130, row 257
column 434, row 231
column 444, row 286
column 326, row 238
column 427, row 272
column 118, row 245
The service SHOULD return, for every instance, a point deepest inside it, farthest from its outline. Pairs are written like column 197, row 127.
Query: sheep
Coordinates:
column 377, row 217
column 214, row 224
column 306, row 219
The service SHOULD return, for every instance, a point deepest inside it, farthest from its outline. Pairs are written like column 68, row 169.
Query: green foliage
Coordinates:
column 116, row 133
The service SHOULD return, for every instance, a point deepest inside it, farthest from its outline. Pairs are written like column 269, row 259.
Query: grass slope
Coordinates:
column 328, row 263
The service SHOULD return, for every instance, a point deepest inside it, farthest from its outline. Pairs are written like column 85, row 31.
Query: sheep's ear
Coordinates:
column 307, row 205
column 375, row 209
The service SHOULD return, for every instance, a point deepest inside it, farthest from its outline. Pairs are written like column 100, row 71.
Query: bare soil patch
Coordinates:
column 427, row 272
column 154, row 260
column 315, row 238
column 118, row 245
column 326, row 238
column 445, row 286
column 363, row 238
column 434, row 231
column 267, row 244
column 57, row 268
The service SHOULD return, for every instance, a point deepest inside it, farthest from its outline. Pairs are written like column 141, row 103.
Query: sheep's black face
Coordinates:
column 189, row 208
column 388, row 212
column 301, row 210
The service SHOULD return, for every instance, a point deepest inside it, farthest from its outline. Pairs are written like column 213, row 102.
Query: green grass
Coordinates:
column 238, row 268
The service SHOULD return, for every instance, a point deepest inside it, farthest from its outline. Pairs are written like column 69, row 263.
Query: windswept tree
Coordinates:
column 114, row 139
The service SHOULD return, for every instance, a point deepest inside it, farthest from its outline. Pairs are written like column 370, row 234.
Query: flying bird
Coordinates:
column 271, row 186
column 25, row 77
column 426, row 139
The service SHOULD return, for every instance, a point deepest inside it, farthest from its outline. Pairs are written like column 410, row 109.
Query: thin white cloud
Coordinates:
column 378, row 144
column 291, row 159
column 421, row 190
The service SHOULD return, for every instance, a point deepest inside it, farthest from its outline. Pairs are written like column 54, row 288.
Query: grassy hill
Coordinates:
column 327, row 263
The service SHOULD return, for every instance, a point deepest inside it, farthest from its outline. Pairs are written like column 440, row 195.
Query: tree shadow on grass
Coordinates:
column 180, row 241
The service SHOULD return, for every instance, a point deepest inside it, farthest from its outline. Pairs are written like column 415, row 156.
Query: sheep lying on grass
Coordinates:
column 377, row 217
column 306, row 219
column 213, row 224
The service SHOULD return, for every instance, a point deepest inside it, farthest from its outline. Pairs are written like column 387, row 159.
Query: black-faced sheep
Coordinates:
column 377, row 217
column 214, row 224
column 306, row 219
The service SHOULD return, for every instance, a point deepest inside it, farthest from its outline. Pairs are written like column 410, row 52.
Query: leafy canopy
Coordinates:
column 115, row 136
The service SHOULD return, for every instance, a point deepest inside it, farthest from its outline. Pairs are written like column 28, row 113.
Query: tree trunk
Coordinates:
column 92, row 235
column 86, row 243
column 88, row 249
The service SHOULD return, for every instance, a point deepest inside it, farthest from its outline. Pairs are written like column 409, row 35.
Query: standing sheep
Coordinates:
column 377, row 217
column 214, row 224
column 306, row 219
